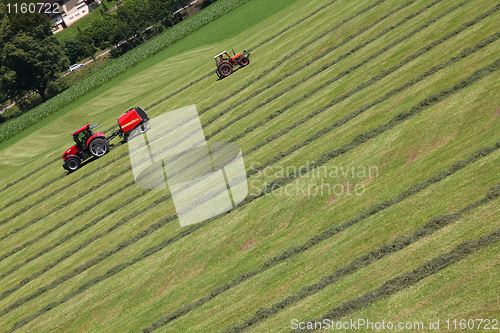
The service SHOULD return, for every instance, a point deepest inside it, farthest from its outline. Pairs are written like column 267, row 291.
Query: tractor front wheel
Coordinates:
column 99, row 147
column 225, row 69
column 243, row 61
column 72, row 164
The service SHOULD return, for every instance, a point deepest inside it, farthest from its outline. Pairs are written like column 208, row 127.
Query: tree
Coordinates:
column 31, row 57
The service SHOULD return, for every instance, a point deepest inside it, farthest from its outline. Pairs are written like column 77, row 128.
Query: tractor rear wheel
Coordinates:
column 225, row 69
column 72, row 164
column 99, row 147
column 243, row 61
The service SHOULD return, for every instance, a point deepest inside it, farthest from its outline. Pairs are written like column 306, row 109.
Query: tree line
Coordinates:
column 31, row 57
column 134, row 21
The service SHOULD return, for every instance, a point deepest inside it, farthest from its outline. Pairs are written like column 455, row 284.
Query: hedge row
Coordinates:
column 362, row 86
column 118, row 66
column 405, row 280
column 312, row 61
column 400, row 243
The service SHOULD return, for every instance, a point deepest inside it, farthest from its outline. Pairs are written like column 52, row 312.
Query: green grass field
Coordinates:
column 391, row 107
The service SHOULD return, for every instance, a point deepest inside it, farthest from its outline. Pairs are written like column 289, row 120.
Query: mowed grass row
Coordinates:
column 52, row 181
column 38, row 237
column 429, row 228
column 112, row 270
column 62, row 205
column 383, row 297
column 306, row 245
column 52, row 246
column 261, row 43
column 26, row 208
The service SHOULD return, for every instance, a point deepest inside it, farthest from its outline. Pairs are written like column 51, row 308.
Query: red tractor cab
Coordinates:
column 90, row 144
column 87, row 144
column 225, row 63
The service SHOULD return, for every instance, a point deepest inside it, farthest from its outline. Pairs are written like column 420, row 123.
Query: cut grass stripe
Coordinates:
column 324, row 235
column 26, row 176
column 360, row 139
column 400, row 282
column 365, row 84
column 267, row 40
column 64, row 222
column 396, row 120
column 466, row 52
column 24, row 196
column 318, row 58
column 287, row 57
column 398, row 244
column 86, row 243
column 82, row 268
column 49, row 195
column 325, row 130
column 319, row 10
column 61, row 206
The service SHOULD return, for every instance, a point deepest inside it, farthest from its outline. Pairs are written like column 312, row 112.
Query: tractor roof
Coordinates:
column 225, row 52
column 81, row 129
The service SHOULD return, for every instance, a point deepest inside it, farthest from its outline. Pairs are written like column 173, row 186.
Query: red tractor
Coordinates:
column 225, row 63
column 90, row 144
